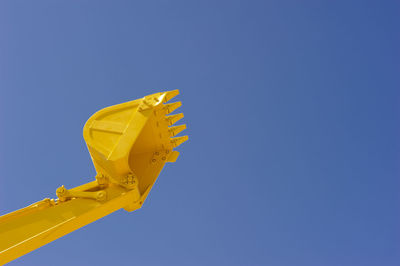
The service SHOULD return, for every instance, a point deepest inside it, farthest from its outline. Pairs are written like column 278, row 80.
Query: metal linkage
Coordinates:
column 64, row 194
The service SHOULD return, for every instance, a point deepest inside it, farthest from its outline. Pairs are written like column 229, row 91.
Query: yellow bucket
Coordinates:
column 131, row 142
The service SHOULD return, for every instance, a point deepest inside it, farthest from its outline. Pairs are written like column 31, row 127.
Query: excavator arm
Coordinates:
column 129, row 144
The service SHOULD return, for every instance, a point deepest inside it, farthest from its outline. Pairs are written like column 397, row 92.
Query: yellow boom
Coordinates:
column 129, row 144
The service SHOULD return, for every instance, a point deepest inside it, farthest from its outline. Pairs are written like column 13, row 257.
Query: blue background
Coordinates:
column 292, row 110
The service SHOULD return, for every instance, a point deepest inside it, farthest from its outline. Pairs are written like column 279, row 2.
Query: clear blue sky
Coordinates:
column 292, row 110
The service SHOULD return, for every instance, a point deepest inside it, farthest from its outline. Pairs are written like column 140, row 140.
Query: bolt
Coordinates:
column 101, row 195
column 61, row 190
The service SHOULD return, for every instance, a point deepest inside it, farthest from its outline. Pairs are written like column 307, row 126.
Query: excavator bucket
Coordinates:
column 130, row 142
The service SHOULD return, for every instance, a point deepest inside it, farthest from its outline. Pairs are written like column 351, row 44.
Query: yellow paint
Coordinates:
column 129, row 144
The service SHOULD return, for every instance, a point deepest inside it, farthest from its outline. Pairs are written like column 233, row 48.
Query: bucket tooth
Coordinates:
column 173, row 156
column 173, row 131
column 168, row 95
column 172, row 119
column 170, row 107
column 178, row 141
